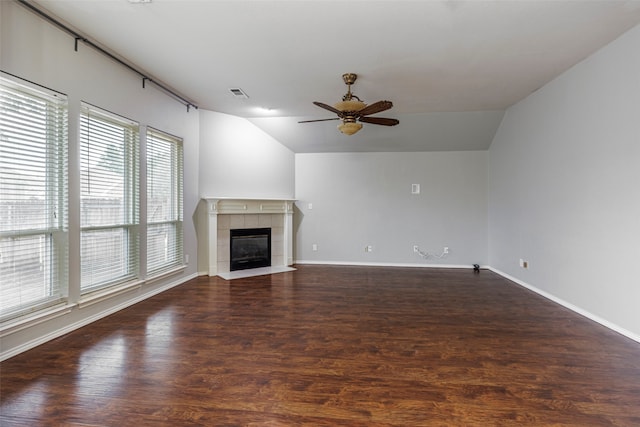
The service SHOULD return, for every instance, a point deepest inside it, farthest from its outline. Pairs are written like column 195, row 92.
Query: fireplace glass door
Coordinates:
column 250, row 248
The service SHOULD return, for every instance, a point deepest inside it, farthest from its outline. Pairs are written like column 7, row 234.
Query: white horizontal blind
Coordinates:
column 109, row 202
column 33, row 198
column 164, row 201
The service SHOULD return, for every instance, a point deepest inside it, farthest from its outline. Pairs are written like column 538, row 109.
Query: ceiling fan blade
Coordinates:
column 328, row 107
column 319, row 120
column 376, row 107
column 380, row 121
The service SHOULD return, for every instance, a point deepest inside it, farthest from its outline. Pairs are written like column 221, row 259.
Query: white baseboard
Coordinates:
column 385, row 264
column 574, row 308
column 87, row 320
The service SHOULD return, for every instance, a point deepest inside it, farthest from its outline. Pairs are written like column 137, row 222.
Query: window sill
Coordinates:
column 17, row 324
column 165, row 273
column 104, row 294
column 14, row 325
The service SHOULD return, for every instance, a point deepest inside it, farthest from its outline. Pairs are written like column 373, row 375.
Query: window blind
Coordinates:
column 164, row 201
column 109, row 199
column 33, row 198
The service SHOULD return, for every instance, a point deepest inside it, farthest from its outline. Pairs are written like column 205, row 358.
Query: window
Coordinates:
column 33, row 198
column 164, row 201
column 109, row 202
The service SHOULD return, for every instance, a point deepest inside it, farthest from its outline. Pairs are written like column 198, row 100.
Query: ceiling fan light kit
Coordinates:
column 351, row 105
column 351, row 110
column 349, row 128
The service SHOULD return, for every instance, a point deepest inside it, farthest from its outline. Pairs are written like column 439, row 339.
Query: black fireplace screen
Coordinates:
column 250, row 248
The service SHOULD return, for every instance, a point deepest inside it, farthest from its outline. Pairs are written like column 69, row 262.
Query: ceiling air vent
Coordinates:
column 238, row 93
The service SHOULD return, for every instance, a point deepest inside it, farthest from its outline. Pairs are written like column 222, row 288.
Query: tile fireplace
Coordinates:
column 225, row 215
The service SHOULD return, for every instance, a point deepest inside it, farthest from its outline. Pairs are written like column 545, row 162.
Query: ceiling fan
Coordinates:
column 351, row 109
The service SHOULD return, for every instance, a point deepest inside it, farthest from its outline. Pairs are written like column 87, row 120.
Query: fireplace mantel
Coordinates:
column 217, row 206
column 228, row 205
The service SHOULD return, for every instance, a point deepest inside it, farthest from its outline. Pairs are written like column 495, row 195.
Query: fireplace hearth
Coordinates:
column 250, row 248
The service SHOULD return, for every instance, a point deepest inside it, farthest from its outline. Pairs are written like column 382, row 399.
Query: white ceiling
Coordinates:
column 451, row 68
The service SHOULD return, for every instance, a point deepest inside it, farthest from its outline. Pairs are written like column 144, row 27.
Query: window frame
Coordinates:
column 36, row 118
column 100, row 120
column 176, row 220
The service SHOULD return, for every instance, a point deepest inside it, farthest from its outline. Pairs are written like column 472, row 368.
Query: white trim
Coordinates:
column 87, row 320
column 607, row 324
column 32, row 87
column 228, row 205
column 64, row 309
column 24, row 322
column 110, row 292
column 165, row 273
column 574, row 308
column 252, row 272
column 386, row 264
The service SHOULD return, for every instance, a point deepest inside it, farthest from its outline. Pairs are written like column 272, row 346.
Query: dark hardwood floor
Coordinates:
column 332, row 346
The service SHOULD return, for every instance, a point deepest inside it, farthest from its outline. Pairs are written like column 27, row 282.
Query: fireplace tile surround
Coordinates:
column 226, row 223
column 225, row 214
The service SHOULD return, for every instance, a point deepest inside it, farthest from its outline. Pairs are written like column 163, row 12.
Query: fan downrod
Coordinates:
column 349, row 79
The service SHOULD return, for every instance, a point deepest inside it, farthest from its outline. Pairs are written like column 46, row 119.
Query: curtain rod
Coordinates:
column 79, row 37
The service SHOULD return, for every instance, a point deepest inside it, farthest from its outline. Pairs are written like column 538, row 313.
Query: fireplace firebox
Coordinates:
column 250, row 248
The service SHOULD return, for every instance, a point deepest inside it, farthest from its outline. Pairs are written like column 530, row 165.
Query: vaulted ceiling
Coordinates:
column 450, row 68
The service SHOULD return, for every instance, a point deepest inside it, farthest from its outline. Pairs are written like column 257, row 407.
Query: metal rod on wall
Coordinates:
column 80, row 37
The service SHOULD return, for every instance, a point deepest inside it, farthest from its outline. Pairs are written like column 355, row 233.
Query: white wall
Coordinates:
column 562, row 180
column 564, row 187
column 361, row 199
column 238, row 160
column 35, row 50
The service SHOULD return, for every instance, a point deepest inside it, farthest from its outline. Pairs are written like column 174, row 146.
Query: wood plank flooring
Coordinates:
column 332, row 346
